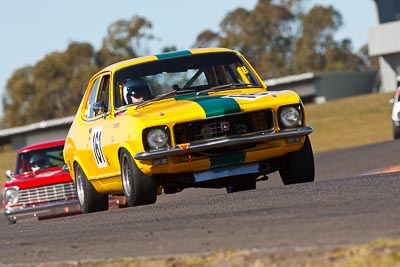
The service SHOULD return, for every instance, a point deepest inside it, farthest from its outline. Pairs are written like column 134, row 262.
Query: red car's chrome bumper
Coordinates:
column 51, row 209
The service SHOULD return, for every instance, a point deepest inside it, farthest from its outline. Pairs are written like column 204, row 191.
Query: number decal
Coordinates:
column 97, row 148
column 244, row 69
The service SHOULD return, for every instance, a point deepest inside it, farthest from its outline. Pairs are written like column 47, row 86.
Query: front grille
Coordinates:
column 55, row 192
column 222, row 127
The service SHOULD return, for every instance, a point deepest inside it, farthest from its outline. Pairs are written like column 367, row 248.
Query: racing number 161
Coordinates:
column 97, row 148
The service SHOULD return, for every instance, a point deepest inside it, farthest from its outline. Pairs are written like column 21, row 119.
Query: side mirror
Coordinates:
column 391, row 101
column 9, row 174
column 65, row 168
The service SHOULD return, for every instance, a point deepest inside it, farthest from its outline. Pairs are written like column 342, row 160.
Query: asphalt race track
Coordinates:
column 348, row 204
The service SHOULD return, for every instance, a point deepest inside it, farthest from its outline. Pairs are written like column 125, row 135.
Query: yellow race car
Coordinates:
column 193, row 118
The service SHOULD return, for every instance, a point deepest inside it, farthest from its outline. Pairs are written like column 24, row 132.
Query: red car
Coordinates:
column 40, row 186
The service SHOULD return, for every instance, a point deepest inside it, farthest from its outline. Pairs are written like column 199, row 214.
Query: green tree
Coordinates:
column 17, row 98
column 128, row 37
column 54, row 87
column 371, row 62
column 50, row 89
column 316, row 48
column 125, row 39
column 207, row 38
column 280, row 39
column 316, row 37
column 340, row 57
column 265, row 35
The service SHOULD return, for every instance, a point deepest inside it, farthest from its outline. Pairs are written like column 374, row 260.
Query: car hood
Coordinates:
column 39, row 178
column 192, row 107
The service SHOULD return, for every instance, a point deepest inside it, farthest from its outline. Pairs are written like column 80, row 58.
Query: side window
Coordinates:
column 22, row 163
column 91, row 100
column 103, row 95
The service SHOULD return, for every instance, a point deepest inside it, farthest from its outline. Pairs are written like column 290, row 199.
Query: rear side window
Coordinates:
column 88, row 112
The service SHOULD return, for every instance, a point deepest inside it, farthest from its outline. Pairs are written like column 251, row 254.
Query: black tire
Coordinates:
column 89, row 199
column 396, row 131
column 11, row 221
column 299, row 165
column 139, row 189
column 243, row 183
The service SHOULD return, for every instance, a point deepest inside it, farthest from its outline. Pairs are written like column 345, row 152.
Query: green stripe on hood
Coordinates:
column 216, row 106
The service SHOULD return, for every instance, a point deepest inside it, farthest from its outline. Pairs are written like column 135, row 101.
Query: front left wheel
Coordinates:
column 299, row 165
column 89, row 199
column 139, row 188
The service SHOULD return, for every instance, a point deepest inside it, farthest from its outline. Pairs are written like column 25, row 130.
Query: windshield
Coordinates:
column 40, row 159
column 179, row 75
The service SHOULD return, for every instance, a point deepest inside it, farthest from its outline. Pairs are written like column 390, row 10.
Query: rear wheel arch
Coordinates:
column 76, row 163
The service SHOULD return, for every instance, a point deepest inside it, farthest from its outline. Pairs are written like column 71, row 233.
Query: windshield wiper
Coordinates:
column 172, row 93
column 225, row 86
column 164, row 96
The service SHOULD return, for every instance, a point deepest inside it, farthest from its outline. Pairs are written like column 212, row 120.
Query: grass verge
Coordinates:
column 350, row 122
column 382, row 253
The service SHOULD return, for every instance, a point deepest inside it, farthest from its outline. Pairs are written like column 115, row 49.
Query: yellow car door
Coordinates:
column 98, row 125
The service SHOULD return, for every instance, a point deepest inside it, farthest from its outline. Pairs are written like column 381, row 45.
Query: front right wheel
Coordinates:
column 298, row 166
column 139, row 188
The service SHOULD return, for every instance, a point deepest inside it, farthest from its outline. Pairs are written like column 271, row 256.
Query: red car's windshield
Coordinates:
column 40, row 159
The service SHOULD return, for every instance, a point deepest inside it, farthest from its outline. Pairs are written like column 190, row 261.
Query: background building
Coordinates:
column 36, row 132
column 321, row 87
column 384, row 40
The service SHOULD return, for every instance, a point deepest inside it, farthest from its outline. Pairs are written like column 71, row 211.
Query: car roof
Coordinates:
column 41, row 145
column 156, row 57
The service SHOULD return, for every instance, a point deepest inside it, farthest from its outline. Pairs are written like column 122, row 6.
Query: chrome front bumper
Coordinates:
column 254, row 138
column 61, row 208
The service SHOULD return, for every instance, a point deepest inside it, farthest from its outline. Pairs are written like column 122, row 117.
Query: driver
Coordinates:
column 136, row 90
column 38, row 161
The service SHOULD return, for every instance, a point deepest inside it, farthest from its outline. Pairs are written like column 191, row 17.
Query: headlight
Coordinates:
column 290, row 117
column 11, row 195
column 157, row 138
